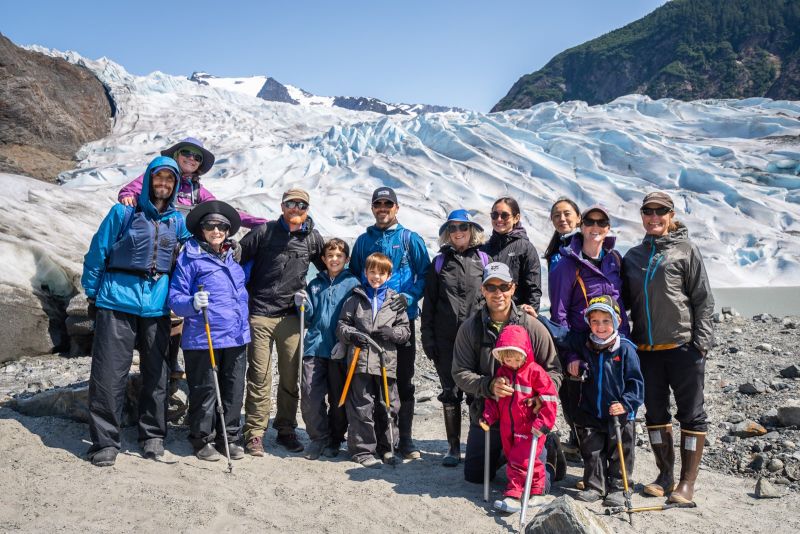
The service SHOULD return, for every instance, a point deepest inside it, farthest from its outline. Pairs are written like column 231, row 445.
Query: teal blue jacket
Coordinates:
column 324, row 304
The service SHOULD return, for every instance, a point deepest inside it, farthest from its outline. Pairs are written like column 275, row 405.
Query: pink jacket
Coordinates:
column 191, row 192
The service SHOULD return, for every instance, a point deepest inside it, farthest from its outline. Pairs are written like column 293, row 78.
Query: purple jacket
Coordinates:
column 567, row 300
column 191, row 192
column 227, row 299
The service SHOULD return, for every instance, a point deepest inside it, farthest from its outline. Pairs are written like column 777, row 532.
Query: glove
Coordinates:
column 360, row 339
column 300, row 297
column 399, row 303
column 236, row 248
column 200, row 300
column 384, row 333
column 91, row 310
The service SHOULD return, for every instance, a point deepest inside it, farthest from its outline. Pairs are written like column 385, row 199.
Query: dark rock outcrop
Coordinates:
column 48, row 109
column 275, row 91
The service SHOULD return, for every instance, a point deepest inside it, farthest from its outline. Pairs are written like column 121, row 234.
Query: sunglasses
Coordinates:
column 221, row 226
column 658, row 211
column 296, row 204
column 602, row 223
column 453, row 228
column 504, row 215
column 192, row 155
column 383, row 204
column 494, row 288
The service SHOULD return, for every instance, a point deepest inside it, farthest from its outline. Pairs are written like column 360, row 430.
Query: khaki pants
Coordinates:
column 284, row 334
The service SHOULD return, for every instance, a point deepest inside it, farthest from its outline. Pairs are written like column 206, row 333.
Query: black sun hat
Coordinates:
column 213, row 206
column 208, row 157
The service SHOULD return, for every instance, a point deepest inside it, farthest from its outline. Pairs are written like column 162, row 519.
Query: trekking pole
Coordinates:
column 661, row 508
column 350, row 373
column 628, row 505
column 486, row 458
column 220, row 409
column 381, row 353
column 302, row 333
column 528, row 481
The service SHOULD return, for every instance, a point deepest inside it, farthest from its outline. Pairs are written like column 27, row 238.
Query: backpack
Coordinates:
column 438, row 261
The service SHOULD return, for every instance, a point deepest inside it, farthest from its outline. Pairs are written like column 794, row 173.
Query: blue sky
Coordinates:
column 463, row 53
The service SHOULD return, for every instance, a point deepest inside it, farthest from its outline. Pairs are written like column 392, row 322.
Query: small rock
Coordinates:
column 792, row 472
column 730, row 388
column 793, row 371
column 774, row 465
column 789, row 415
column 723, row 383
column 758, row 461
column 771, row 435
column 790, row 323
column 729, row 439
column 765, row 490
column 563, row 514
column 778, row 386
column 748, row 429
column 736, row 417
column 736, row 331
column 753, row 388
column 770, row 418
column 766, row 347
column 758, row 446
column 718, row 318
column 733, row 350
column 782, row 481
column 11, row 368
column 425, row 396
column 788, row 445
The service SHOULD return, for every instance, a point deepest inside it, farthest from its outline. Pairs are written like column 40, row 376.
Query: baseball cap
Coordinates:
column 384, row 193
column 497, row 270
column 658, row 197
column 296, row 194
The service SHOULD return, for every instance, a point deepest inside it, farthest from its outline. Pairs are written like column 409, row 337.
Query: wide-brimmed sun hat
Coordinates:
column 208, row 157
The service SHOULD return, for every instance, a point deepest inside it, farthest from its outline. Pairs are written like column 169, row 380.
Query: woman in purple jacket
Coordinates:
column 207, row 260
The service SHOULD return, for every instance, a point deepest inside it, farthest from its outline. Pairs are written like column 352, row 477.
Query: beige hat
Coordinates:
column 658, row 197
column 296, row 194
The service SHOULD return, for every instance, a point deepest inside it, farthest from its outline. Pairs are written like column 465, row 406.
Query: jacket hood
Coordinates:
column 518, row 232
column 680, row 235
column 194, row 249
column 516, row 337
column 144, row 197
column 576, row 245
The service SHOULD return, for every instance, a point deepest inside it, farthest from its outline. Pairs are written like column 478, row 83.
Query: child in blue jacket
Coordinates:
column 614, row 388
column 324, row 376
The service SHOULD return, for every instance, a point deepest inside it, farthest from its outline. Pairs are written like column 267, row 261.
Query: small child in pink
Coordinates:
column 520, row 415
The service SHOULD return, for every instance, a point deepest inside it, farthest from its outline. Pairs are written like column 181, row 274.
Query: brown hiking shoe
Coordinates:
column 254, row 447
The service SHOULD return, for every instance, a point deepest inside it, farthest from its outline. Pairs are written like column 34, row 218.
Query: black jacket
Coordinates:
column 451, row 296
column 280, row 264
column 515, row 250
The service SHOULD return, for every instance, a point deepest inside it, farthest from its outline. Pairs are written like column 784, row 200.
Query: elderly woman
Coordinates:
column 509, row 244
column 670, row 300
column 452, row 294
column 207, row 260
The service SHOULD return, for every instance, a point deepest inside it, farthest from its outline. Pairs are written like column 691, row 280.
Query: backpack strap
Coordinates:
column 579, row 281
column 438, row 263
column 485, row 259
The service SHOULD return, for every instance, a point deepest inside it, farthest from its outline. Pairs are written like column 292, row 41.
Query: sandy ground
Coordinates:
column 47, row 486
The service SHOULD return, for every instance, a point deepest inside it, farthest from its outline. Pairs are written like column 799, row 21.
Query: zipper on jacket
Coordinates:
column 600, row 386
column 511, row 404
column 155, row 249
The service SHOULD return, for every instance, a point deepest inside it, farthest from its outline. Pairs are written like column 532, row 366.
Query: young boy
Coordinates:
column 615, row 388
column 323, row 376
column 367, row 314
column 519, row 420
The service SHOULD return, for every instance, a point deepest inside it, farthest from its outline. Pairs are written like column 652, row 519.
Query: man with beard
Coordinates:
column 281, row 252
column 126, row 278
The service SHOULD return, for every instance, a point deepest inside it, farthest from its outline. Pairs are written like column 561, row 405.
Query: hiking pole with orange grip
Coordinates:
column 220, row 409
column 350, row 373
column 381, row 355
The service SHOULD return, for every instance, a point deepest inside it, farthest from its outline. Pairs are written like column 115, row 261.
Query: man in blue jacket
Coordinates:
column 126, row 278
column 410, row 263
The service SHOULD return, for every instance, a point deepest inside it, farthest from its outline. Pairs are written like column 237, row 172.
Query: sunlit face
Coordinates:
column 601, row 324
column 376, row 278
column 655, row 224
column 214, row 234
column 460, row 234
column 513, row 359
column 498, row 294
column 503, row 219
column 188, row 163
column 334, row 260
column 163, row 183
column 297, row 214
column 564, row 217
column 385, row 212
column 595, row 227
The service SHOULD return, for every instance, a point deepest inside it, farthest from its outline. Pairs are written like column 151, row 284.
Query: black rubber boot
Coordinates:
column 452, row 427
column 405, row 419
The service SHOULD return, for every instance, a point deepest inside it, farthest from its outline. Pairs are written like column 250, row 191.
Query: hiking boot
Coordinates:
column 331, row 450
column 208, row 453
column 236, row 451
column 571, row 451
column 153, row 448
column 661, row 443
column 289, row 442
column 616, row 498
column 692, row 444
column 254, row 447
column 105, row 457
column 390, row 459
column 588, row 495
column 408, row 450
column 509, row 505
column 367, row 461
column 314, row 450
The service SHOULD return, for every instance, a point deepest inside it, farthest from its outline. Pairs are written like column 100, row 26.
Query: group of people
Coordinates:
column 622, row 331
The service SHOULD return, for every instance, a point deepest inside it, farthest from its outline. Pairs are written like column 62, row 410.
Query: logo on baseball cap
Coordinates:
column 497, row 270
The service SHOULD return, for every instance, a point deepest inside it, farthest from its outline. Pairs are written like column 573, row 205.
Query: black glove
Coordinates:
column 398, row 303
column 360, row 339
column 237, row 250
column 384, row 333
column 91, row 310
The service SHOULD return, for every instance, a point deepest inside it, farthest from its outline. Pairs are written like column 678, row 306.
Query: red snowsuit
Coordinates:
column 518, row 420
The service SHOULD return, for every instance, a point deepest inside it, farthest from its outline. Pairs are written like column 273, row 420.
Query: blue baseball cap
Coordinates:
column 459, row 216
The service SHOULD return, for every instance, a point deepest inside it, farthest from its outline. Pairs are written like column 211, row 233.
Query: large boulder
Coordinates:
column 32, row 323
column 565, row 515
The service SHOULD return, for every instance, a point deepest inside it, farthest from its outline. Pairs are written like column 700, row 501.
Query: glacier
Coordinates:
column 732, row 166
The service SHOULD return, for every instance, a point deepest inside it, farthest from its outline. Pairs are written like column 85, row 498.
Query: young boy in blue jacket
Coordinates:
column 614, row 388
column 323, row 376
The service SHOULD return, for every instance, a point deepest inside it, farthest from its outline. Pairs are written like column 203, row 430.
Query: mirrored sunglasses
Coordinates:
column 193, row 155
column 296, row 204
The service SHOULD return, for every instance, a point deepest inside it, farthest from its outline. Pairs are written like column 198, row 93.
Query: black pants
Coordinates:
column 601, row 465
column 323, row 378
column 368, row 432
column 474, row 456
column 205, row 425
column 116, row 335
column 683, row 370
column 406, row 357
column 444, row 368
